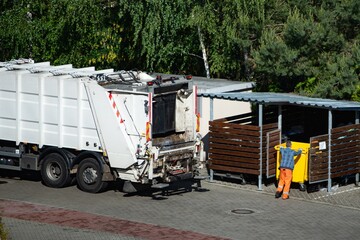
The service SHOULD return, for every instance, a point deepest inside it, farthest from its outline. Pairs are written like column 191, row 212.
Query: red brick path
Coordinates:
column 82, row 220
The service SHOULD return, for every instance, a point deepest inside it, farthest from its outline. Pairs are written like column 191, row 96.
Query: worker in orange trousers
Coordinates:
column 286, row 168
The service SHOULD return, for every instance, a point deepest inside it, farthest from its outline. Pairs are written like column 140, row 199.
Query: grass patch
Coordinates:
column 3, row 231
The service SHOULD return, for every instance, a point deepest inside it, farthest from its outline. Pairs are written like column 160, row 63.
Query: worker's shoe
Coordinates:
column 285, row 196
column 277, row 194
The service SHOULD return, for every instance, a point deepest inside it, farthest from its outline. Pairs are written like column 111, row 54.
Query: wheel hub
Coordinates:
column 54, row 171
column 90, row 175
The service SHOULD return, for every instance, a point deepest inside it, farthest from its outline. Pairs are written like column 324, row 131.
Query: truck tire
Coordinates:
column 54, row 171
column 89, row 176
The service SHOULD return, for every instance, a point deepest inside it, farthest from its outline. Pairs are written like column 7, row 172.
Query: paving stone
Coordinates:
column 304, row 216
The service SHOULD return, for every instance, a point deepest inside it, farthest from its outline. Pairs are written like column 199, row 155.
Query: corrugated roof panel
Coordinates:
column 213, row 85
column 285, row 99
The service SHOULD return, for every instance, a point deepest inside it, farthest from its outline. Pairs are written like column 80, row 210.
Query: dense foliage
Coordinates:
column 308, row 47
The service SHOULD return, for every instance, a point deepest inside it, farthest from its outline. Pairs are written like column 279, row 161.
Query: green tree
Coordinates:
column 160, row 35
column 313, row 55
column 274, row 64
column 68, row 32
column 62, row 31
column 310, row 47
column 229, row 29
column 15, row 33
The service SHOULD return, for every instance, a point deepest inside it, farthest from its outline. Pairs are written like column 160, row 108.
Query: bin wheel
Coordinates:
column 89, row 176
column 54, row 171
column 302, row 187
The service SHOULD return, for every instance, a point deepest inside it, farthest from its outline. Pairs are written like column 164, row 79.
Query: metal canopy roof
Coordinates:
column 269, row 98
column 213, row 85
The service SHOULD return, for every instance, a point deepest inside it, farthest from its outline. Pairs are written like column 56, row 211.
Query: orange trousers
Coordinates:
column 285, row 181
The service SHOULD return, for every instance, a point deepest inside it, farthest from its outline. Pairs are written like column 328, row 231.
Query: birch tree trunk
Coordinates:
column 206, row 63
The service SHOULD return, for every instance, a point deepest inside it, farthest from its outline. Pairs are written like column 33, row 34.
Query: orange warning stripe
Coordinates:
column 113, row 104
column 196, row 110
column 198, row 122
column 147, row 132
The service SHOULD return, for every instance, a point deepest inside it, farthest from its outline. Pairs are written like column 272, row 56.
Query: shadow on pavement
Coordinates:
column 177, row 188
column 23, row 175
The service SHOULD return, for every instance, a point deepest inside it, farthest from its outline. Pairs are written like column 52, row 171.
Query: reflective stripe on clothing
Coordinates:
column 285, row 180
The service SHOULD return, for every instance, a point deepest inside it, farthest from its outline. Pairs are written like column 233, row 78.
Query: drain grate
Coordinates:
column 242, row 211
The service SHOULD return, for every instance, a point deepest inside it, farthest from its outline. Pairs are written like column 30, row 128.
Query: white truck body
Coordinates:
column 136, row 130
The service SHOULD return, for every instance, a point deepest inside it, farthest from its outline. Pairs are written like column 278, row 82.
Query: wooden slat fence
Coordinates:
column 345, row 150
column 235, row 147
column 273, row 139
column 318, row 159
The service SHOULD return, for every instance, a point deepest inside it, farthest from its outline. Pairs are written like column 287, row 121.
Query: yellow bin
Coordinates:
column 300, row 173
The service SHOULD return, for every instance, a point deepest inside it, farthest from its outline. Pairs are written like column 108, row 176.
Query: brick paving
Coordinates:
column 81, row 220
column 346, row 195
column 32, row 230
column 32, row 211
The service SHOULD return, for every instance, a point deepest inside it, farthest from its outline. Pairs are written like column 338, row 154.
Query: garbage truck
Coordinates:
column 98, row 126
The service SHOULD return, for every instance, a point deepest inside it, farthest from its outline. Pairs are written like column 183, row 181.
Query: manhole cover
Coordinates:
column 242, row 211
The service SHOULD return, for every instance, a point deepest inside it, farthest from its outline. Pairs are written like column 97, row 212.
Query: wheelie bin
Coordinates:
column 300, row 172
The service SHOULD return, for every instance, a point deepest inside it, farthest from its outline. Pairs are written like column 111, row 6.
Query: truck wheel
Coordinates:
column 89, row 176
column 54, row 171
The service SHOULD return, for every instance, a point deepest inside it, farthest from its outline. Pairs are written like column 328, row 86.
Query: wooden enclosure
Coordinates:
column 236, row 145
column 245, row 144
column 344, row 150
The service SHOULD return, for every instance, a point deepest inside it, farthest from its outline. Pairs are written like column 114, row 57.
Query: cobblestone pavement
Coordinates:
column 223, row 210
column 20, row 229
column 344, row 195
column 82, row 220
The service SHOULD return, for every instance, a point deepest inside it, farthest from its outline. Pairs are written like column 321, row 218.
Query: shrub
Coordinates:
column 3, row 232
